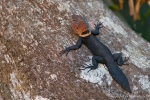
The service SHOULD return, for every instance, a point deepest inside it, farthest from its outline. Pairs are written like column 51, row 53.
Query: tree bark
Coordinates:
column 33, row 32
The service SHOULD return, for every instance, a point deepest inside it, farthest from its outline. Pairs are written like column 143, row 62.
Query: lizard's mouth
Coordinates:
column 85, row 33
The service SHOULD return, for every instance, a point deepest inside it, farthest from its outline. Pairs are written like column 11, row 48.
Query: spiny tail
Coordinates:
column 119, row 76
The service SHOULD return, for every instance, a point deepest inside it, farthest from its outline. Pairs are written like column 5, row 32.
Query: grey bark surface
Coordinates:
column 33, row 32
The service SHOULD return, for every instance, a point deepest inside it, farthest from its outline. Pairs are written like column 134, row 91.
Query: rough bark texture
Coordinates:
column 33, row 32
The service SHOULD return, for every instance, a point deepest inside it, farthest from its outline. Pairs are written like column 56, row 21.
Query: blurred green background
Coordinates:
column 140, row 26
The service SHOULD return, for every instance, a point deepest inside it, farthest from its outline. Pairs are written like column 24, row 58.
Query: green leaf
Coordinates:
column 114, row 7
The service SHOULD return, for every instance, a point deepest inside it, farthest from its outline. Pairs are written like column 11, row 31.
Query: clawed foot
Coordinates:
column 123, row 62
column 87, row 66
column 64, row 51
column 98, row 25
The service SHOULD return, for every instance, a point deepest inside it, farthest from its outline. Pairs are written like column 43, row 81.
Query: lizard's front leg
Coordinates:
column 95, row 61
column 96, row 31
column 74, row 47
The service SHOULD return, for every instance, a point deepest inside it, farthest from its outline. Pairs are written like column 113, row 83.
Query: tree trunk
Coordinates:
column 33, row 32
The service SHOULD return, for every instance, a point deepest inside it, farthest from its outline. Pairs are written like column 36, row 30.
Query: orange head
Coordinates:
column 80, row 25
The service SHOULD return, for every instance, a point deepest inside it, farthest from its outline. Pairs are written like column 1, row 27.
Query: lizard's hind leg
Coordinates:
column 95, row 61
column 119, row 59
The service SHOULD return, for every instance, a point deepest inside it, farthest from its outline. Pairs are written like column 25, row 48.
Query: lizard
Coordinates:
column 101, row 53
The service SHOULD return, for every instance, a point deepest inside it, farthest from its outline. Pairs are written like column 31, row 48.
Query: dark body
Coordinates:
column 101, row 54
column 96, row 47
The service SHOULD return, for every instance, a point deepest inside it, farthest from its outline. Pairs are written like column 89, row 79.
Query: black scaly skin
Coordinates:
column 101, row 54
